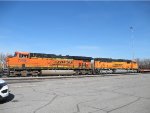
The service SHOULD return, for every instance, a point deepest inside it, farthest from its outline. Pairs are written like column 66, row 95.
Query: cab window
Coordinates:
column 23, row 56
column 15, row 54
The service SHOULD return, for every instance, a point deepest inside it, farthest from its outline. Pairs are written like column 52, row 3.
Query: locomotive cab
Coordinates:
column 16, row 64
column 21, row 54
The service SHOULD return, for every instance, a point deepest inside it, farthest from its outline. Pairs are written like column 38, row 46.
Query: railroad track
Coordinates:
column 61, row 77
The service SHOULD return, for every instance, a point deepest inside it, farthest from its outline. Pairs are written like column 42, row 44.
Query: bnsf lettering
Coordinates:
column 64, row 62
column 117, row 65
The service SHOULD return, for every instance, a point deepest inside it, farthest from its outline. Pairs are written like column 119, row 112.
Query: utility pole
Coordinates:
column 132, row 42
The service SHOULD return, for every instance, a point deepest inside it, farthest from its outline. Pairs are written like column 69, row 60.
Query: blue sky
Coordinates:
column 96, row 29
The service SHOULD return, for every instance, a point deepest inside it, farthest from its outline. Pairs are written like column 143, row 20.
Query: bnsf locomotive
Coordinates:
column 101, row 64
column 35, row 64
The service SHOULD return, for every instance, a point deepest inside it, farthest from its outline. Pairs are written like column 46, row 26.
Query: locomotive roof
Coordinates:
column 22, row 52
column 42, row 55
column 79, row 57
column 111, row 60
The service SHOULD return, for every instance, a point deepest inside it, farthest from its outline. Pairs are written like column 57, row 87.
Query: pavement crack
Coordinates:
column 121, row 93
column 129, row 94
column 97, row 109
column 124, row 105
column 78, row 105
column 78, row 108
column 46, row 104
column 60, row 93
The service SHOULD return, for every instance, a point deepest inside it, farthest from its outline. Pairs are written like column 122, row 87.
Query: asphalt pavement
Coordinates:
column 108, row 94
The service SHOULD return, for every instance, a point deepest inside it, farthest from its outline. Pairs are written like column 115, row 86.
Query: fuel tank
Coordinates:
column 57, row 72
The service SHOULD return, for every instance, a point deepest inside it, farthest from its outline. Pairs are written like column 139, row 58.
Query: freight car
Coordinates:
column 101, row 64
column 35, row 64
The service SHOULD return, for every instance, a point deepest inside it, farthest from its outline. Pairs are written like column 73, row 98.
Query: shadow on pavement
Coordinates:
column 8, row 99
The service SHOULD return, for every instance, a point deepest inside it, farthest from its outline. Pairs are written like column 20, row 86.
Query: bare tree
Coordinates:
column 2, row 60
column 143, row 63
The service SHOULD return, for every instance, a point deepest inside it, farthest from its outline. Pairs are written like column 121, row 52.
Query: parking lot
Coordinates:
column 108, row 94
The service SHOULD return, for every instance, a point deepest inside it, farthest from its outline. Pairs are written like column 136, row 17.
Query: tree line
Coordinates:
column 143, row 63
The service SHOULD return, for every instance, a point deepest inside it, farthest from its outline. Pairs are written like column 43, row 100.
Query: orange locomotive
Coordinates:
column 35, row 64
column 24, row 63
column 113, row 64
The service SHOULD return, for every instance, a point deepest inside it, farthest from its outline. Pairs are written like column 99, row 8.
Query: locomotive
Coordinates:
column 37, row 64
column 101, row 64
